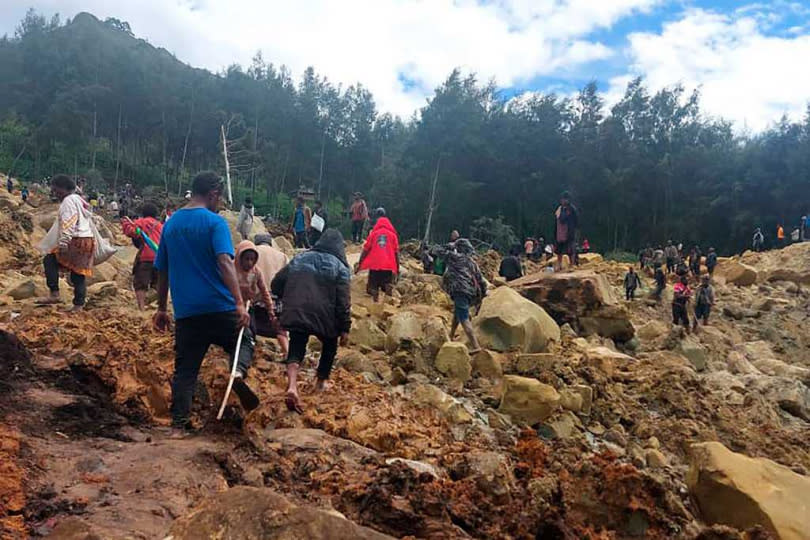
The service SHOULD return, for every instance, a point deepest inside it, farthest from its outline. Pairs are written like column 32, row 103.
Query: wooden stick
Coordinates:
column 233, row 368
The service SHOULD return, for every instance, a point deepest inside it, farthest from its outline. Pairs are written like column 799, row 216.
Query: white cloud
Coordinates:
column 744, row 75
column 370, row 41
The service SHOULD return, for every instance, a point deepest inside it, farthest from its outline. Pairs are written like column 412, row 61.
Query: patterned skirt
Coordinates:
column 78, row 257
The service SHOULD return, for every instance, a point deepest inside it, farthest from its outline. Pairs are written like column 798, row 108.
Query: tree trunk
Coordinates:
column 432, row 200
column 118, row 150
column 95, row 127
column 227, row 164
column 182, row 170
column 320, row 172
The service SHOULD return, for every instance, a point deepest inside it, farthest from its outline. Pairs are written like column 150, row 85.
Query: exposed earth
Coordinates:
column 586, row 417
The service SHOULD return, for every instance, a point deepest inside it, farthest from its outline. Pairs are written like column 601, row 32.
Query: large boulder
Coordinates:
column 244, row 512
column 105, row 271
column 405, row 331
column 736, row 273
column 366, row 333
column 285, row 246
column 22, row 290
column 508, row 321
column 696, row 353
column 528, row 400
column 447, row 406
column 583, row 299
column 453, row 360
column 742, row 492
column 232, row 217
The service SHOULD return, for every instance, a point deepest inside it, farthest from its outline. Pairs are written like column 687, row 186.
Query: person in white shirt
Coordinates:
column 75, row 247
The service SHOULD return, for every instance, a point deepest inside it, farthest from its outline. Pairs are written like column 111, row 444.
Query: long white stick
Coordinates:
column 233, row 368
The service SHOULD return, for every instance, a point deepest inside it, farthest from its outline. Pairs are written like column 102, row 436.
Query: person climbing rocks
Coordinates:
column 780, row 236
column 10, row 184
column 244, row 223
column 632, row 282
column 704, row 301
column 671, row 255
column 380, row 256
column 758, row 240
column 645, row 257
column 586, row 246
column 528, row 247
column 316, row 295
column 319, row 223
column 511, row 268
column 74, row 246
column 359, row 215
column 24, row 193
column 680, row 302
column 566, row 223
column 426, row 258
column 195, row 262
column 271, row 261
column 660, row 283
column 711, row 261
column 144, row 275
column 465, row 285
column 301, row 223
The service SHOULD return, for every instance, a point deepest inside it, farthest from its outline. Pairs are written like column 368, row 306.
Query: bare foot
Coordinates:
column 322, row 385
column 293, row 402
column 76, row 309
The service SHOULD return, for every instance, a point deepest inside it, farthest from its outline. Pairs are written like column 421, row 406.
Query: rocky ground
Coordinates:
column 586, row 417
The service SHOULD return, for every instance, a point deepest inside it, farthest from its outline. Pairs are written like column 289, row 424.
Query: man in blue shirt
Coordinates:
column 301, row 223
column 195, row 262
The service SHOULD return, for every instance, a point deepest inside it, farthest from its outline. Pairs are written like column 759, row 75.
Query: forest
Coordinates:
column 89, row 98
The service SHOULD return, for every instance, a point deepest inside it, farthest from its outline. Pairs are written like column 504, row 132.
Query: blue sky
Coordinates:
column 748, row 58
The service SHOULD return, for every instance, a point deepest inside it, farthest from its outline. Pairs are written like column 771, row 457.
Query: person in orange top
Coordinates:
column 780, row 236
column 380, row 256
column 144, row 274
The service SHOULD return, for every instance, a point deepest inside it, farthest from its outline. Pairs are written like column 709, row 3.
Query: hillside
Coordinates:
column 594, row 429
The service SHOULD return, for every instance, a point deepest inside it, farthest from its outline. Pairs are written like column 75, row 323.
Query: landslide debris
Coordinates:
column 582, row 424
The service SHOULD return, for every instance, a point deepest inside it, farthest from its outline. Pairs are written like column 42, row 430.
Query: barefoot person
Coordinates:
column 74, row 251
column 271, row 261
column 566, row 223
column 464, row 283
column 144, row 274
column 315, row 292
column 195, row 261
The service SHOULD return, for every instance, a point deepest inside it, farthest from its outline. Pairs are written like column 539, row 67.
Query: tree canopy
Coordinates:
column 87, row 97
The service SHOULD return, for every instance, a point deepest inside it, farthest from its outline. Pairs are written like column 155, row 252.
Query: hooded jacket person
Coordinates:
column 380, row 255
column 315, row 291
column 252, row 284
column 465, row 285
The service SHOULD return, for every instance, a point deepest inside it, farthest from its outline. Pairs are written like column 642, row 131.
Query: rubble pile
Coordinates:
column 584, row 417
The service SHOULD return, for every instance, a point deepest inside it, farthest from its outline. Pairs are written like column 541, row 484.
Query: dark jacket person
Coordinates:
column 315, row 291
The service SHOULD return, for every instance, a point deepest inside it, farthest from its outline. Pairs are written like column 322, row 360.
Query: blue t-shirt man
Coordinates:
column 300, row 223
column 189, row 246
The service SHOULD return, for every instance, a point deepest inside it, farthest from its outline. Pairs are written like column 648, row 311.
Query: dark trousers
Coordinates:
column 314, row 236
column 52, row 279
column 301, row 239
column 680, row 316
column 670, row 265
column 630, row 293
column 298, row 350
column 192, row 338
column 357, row 231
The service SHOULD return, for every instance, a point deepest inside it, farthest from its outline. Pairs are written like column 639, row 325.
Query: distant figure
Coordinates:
column 101, row 201
column 539, row 245
column 24, row 193
column 694, row 261
column 187, row 196
column 144, row 275
column 528, row 247
column 780, row 236
column 9, row 184
column 426, row 258
column 758, row 240
column 170, row 209
column 680, row 302
column 511, row 269
column 645, row 257
column 316, row 295
column 301, row 223
column 454, row 235
column 660, row 283
column 631, row 283
column 671, row 255
column 566, row 221
column 658, row 258
column 806, row 225
column 704, row 302
column 711, row 261
column 244, row 223
column 114, row 207
column 359, row 214
column 464, row 283
column 586, row 246
column 381, row 256
column 319, row 223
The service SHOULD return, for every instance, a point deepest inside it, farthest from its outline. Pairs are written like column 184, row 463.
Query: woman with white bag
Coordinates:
column 74, row 250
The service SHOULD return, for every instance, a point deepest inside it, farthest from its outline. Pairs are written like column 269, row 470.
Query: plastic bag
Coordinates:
column 51, row 240
column 102, row 249
column 317, row 222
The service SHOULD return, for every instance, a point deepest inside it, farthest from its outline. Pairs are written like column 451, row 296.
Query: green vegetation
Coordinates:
column 89, row 96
